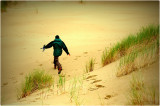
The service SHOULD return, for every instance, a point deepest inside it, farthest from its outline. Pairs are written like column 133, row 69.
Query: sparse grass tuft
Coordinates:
column 137, row 82
column 61, row 82
column 90, row 65
column 34, row 81
column 145, row 36
column 101, row 100
column 139, row 94
column 75, row 86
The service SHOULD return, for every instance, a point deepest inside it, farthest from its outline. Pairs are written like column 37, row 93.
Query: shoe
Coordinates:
column 59, row 71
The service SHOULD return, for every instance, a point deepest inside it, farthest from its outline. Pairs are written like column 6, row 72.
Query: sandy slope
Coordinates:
column 113, row 90
column 85, row 28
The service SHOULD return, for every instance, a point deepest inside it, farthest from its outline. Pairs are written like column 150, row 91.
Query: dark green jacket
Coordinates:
column 58, row 45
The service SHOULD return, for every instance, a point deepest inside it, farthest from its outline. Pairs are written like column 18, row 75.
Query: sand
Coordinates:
column 86, row 28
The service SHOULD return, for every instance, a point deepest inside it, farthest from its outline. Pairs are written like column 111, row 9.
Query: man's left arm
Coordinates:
column 65, row 48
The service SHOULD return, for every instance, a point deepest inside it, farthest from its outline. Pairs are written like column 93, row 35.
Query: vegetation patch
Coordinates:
column 144, row 37
column 90, row 65
column 61, row 83
column 141, row 94
column 35, row 81
column 137, row 59
column 76, row 85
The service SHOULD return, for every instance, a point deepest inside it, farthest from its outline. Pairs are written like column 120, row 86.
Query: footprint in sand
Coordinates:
column 6, row 83
column 40, row 64
column 99, row 86
column 96, row 81
column 92, row 89
column 85, row 52
column 108, row 96
column 95, row 88
column 68, row 75
column 75, row 58
column 20, row 73
column 91, row 76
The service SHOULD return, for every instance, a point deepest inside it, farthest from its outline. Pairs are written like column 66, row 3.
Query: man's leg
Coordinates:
column 55, row 58
column 58, row 64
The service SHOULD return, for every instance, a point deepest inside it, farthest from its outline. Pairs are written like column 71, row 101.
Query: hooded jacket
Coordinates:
column 58, row 45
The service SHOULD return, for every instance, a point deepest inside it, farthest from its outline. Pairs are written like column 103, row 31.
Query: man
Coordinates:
column 58, row 45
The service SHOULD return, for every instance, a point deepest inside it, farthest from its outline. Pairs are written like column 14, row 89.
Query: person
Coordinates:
column 57, row 45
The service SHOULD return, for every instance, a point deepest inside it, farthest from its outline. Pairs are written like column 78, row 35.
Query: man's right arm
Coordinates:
column 49, row 45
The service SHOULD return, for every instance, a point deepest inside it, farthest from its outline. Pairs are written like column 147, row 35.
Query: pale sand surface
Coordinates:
column 85, row 28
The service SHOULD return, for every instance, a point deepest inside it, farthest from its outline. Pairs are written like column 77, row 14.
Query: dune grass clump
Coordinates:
column 35, row 81
column 144, row 37
column 137, row 59
column 140, row 94
column 90, row 65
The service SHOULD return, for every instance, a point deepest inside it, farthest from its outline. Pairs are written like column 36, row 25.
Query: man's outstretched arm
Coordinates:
column 49, row 45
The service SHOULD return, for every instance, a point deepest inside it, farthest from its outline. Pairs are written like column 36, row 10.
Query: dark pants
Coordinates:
column 56, row 63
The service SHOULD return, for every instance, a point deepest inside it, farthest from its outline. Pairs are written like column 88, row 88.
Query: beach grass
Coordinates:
column 61, row 82
column 35, row 81
column 145, row 36
column 76, row 85
column 140, row 94
column 90, row 65
column 137, row 59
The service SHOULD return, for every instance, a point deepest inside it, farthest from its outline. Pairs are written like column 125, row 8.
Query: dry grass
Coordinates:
column 90, row 65
column 141, row 94
column 137, row 59
column 76, row 85
column 61, row 83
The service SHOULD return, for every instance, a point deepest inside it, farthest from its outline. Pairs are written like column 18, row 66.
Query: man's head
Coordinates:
column 57, row 36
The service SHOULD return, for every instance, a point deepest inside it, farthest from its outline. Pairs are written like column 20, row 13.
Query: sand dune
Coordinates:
column 100, row 85
column 86, row 29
